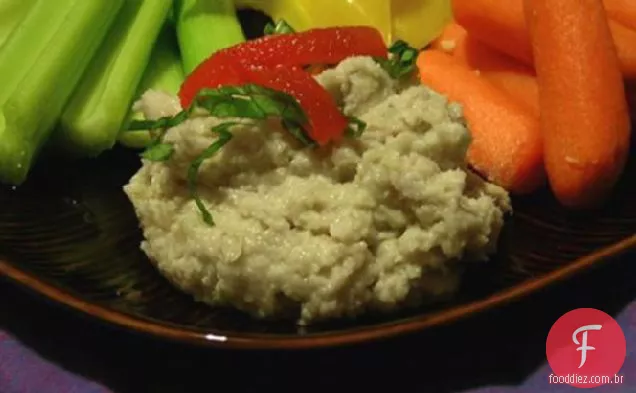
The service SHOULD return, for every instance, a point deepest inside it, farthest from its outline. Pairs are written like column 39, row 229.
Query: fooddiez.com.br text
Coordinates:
column 585, row 379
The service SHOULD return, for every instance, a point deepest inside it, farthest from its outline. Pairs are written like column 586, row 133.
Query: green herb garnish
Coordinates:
column 401, row 62
column 356, row 127
column 299, row 132
column 164, row 122
column 248, row 101
column 158, row 152
column 193, row 170
column 281, row 27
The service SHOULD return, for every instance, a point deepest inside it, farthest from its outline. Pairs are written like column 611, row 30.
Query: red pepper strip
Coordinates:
column 326, row 123
column 273, row 62
column 316, row 46
column 220, row 71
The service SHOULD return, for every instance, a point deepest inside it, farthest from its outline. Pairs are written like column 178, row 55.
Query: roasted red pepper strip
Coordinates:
column 326, row 122
column 316, row 46
column 278, row 58
column 220, row 70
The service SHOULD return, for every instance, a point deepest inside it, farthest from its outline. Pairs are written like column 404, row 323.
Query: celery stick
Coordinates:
column 165, row 73
column 204, row 27
column 96, row 111
column 12, row 12
column 40, row 64
column 27, row 43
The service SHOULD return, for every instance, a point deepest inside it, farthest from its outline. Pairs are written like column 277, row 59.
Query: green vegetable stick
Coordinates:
column 95, row 113
column 204, row 27
column 164, row 72
column 40, row 64
column 12, row 13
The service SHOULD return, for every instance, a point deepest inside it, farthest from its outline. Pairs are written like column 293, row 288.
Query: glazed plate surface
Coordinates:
column 70, row 234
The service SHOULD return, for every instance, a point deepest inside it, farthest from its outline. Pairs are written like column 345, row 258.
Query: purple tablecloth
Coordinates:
column 23, row 371
column 504, row 352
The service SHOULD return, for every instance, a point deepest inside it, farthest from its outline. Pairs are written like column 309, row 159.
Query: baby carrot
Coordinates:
column 622, row 11
column 506, row 146
column 508, row 74
column 501, row 24
column 498, row 23
column 584, row 115
column 452, row 36
column 625, row 42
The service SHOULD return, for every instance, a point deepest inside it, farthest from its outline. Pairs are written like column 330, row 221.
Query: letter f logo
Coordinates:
column 584, row 347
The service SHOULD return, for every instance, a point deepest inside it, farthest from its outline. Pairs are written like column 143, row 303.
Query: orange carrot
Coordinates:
column 622, row 11
column 501, row 24
column 506, row 146
column 625, row 42
column 584, row 116
column 508, row 74
column 498, row 23
column 451, row 37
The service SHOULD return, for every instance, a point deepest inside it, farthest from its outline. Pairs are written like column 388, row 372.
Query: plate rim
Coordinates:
column 227, row 340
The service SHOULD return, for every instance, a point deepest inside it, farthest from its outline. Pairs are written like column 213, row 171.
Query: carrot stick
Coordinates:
column 508, row 74
column 498, row 23
column 506, row 146
column 625, row 42
column 452, row 37
column 622, row 11
column 501, row 24
column 584, row 115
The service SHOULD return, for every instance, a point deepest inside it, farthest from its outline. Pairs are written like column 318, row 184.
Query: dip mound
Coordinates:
column 374, row 223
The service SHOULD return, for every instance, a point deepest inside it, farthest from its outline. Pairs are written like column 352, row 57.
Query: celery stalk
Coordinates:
column 164, row 72
column 96, row 111
column 12, row 12
column 204, row 27
column 40, row 64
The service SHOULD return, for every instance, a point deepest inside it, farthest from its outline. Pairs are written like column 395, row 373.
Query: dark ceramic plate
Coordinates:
column 71, row 235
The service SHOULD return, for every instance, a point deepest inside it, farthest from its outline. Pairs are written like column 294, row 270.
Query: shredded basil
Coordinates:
column 281, row 27
column 401, row 62
column 356, row 127
column 299, row 132
column 248, row 101
column 193, row 170
column 158, row 152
